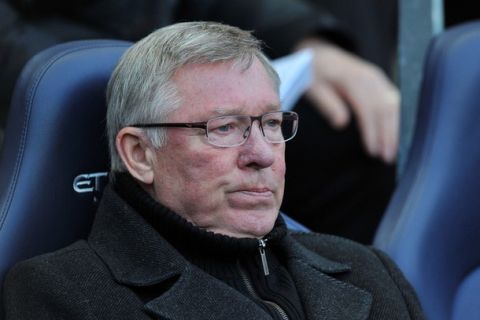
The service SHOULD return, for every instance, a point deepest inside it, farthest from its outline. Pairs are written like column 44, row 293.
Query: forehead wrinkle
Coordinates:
column 224, row 111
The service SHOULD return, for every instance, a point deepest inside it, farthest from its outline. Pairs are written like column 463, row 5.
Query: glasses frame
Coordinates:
column 204, row 125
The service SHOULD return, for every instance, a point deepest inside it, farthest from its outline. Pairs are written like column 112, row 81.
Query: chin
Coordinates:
column 257, row 226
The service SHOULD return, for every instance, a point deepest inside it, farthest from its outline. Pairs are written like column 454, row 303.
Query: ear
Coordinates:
column 137, row 154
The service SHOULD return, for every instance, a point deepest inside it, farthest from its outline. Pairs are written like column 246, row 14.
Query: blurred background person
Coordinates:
column 342, row 166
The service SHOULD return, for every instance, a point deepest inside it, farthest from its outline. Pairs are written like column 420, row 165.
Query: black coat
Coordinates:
column 126, row 270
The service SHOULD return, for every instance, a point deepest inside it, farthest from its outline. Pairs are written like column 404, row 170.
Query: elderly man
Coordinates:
column 189, row 227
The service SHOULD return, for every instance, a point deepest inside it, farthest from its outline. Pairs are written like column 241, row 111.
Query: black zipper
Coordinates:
column 262, row 243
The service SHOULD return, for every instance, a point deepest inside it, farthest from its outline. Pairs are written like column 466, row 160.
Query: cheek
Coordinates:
column 279, row 167
column 202, row 168
column 192, row 183
column 205, row 172
column 190, row 161
column 203, row 182
column 279, row 170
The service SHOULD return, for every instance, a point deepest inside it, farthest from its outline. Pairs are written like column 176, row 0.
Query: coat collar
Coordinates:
column 138, row 256
column 324, row 296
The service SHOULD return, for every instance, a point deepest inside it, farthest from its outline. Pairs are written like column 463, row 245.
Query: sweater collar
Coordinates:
column 137, row 254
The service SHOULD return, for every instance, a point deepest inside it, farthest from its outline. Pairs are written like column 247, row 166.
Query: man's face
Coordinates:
column 235, row 191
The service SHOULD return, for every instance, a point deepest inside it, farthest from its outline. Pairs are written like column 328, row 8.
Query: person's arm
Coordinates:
column 344, row 86
column 280, row 24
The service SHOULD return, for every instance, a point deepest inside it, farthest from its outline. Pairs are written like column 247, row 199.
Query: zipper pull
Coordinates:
column 261, row 247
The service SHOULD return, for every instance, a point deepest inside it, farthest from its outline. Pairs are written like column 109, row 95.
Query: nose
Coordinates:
column 257, row 152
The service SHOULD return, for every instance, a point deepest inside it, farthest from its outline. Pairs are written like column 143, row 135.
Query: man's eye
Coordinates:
column 225, row 128
column 272, row 123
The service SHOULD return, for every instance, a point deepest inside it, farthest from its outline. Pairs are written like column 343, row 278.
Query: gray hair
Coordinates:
column 140, row 89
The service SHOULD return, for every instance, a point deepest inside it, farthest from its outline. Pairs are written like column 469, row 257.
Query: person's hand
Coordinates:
column 345, row 85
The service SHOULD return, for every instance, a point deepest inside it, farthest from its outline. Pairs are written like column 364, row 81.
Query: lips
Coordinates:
column 260, row 195
column 257, row 190
column 254, row 190
column 252, row 197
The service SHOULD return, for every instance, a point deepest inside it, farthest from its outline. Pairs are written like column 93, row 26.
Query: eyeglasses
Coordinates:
column 232, row 131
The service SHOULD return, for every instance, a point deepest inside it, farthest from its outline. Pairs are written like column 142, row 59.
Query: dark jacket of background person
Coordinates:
column 128, row 270
column 29, row 26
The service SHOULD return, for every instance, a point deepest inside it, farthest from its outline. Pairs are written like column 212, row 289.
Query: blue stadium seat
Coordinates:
column 54, row 139
column 432, row 225
column 54, row 160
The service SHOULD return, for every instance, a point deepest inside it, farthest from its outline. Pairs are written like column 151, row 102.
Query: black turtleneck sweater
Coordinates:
column 236, row 261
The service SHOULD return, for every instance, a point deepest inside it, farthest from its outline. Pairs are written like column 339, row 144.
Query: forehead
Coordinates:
column 208, row 90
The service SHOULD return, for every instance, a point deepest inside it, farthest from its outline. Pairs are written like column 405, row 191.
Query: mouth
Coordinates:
column 254, row 189
column 252, row 197
column 257, row 192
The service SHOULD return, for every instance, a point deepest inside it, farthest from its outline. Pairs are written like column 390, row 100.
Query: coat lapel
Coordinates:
column 138, row 257
column 324, row 296
column 197, row 295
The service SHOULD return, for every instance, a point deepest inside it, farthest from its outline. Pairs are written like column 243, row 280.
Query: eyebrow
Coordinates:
column 238, row 111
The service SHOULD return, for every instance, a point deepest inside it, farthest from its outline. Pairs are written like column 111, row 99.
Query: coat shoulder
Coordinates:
column 74, row 255
column 370, row 269
column 71, row 283
column 336, row 248
column 41, row 287
column 69, row 267
column 359, row 257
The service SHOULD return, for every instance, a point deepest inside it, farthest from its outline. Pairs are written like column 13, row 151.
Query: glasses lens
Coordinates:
column 228, row 131
column 231, row 131
column 279, row 126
